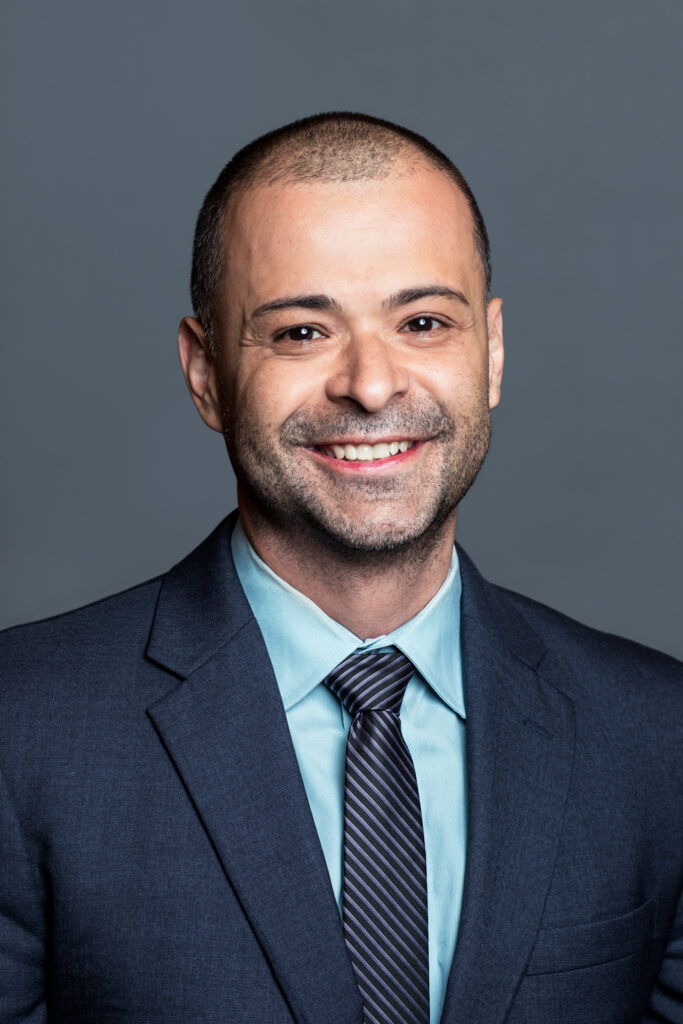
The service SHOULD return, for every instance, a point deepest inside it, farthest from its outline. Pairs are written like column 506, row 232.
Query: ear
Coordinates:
column 494, row 324
column 200, row 371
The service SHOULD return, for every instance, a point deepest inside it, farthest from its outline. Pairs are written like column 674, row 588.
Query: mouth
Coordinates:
column 359, row 455
column 365, row 452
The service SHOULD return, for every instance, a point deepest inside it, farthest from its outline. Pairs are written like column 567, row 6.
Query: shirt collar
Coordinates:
column 304, row 644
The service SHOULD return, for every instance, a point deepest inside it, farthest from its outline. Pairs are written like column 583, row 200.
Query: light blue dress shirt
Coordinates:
column 304, row 645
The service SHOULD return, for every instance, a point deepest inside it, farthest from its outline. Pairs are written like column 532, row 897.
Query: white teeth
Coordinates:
column 367, row 452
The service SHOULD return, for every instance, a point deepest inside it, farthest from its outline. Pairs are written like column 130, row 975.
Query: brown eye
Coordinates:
column 423, row 323
column 303, row 332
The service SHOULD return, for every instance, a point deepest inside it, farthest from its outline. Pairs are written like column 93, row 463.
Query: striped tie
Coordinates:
column 385, row 874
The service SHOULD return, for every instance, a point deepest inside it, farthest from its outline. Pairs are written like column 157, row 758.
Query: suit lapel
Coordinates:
column 519, row 754
column 226, row 731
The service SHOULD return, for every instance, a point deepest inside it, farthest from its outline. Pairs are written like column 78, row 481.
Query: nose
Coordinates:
column 369, row 372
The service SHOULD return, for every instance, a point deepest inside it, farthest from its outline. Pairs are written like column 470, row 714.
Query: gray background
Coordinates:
column 566, row 120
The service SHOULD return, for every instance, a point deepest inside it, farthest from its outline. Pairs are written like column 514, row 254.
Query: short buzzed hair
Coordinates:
column 336, row 146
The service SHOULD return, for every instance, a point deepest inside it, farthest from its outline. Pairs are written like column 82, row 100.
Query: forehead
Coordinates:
column 325, row 235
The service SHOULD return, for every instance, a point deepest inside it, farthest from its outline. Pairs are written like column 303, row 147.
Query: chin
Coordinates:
column 378, row 539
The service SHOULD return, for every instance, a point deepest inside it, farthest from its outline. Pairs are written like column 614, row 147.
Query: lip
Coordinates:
column 367, row 440
column 374, row 466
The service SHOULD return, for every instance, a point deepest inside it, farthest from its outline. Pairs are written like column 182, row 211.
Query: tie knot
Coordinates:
column 371, row 680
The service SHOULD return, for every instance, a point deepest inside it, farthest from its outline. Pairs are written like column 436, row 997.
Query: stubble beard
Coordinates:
column 282, row 498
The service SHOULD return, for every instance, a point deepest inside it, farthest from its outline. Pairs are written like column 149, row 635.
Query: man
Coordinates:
column 321, row 771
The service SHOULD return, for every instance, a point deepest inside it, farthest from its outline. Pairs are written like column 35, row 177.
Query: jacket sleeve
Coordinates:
column 22, row 924
column 666, row 1001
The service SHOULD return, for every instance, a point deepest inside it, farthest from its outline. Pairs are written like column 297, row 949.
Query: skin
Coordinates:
column 369, row 542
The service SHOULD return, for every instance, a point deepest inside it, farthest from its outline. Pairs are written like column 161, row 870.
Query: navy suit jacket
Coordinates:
column 159, row 861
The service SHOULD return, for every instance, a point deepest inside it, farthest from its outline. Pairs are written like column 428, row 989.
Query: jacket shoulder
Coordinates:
column 589, row 652
column 108, row 631
column 97, row 653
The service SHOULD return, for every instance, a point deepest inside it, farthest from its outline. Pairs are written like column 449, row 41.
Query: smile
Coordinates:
column 366, row 459
column 365, row 452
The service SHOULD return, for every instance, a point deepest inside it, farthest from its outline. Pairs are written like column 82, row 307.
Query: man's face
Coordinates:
column 352, row 325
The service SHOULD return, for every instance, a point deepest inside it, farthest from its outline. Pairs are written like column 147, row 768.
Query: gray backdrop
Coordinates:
column 566, row 120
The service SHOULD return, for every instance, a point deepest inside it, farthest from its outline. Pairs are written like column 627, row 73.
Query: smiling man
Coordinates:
column 321, row 771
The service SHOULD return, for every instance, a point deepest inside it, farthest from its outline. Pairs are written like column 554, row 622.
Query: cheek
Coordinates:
column 269, row 392
column 453, row 383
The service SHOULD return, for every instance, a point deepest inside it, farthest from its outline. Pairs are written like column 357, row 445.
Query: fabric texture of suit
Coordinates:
column 159, row 861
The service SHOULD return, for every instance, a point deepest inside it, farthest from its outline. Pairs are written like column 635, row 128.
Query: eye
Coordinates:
column 422, row 324
column 302, row 332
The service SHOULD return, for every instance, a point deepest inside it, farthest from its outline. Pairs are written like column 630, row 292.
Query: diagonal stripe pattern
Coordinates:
column 385, row 873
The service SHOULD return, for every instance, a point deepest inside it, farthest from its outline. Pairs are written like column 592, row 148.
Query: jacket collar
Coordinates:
column 202, row 605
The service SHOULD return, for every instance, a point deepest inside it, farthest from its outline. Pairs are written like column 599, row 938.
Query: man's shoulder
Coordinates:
column 100, row 648
column 109, row 631
column 589, row 652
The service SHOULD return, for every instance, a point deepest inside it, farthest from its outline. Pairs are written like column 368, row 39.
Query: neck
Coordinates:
column 369, row 593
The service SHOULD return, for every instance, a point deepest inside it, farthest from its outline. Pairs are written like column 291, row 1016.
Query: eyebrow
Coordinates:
column 408, row 295
column 324, row 302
